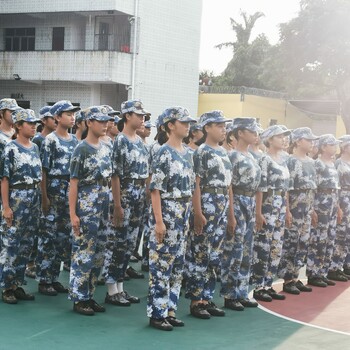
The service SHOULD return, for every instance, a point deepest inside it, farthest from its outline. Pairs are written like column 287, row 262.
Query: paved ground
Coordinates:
column 49, row 323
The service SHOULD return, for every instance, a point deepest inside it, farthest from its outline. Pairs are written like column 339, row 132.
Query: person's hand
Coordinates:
column 231, row 224
column 199, row 222
column 7, row 213
column 289, row 219
column 118, row 216
column 339, row 216
column 46, row 205
column 160, row 230
column 75, row 221
column 314, row 219
column 260, row 222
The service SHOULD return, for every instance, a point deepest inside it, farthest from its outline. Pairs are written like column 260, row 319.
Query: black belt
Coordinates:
column 240, row 192
column 345, row 189
column 327, row 190
column 215, row 190
column 273, row 192
column 100, row 182
column 306, row 190
column 24, row 186
column 181, row 199
column 135, row 182
column 59, row 177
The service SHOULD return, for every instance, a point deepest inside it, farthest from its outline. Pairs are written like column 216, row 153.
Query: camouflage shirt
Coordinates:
column 4, row 140
column 343, row 169
column 172, row 173
column 38, row 139
column 21, row 165
column 326, row 175
column 302, row 173
column 130, row 158
column 56, row 154
column 246, row 173
column 213, row 166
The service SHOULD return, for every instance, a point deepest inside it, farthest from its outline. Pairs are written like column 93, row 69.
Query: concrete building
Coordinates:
column 100, row 52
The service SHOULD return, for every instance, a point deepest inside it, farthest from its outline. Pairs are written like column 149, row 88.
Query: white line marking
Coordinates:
column 40, row 333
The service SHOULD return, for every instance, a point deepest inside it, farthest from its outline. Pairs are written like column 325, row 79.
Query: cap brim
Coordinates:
column 115, row 113
column 187, row 119
column 72, row 109
column 102, row 118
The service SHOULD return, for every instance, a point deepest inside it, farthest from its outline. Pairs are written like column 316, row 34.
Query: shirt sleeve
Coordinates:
column 235, row 168
column 6, row 166
column 160, row 172
column 198, row 159
column 46, row 152
column 76, row 164
column 118, row 157
column 263, row 163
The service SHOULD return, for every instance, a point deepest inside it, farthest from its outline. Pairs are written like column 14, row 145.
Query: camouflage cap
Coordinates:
column 345, row 140
column 177, row 113
column 195, row 127
column 328, row 139
column 302, row 133
column 8, row 103
column 63, row 106
column 133, row 106
column 116, row 119
column 149, row 125
column 159, row 121
column 45, row 112
column 274, row 130
column 247, row 124
column 26, row 115
column 213, row 117
column 99, row 113
column 80, row 116
column 111, row 111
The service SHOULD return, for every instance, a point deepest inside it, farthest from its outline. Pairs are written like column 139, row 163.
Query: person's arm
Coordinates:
column 160, row 227
column 260, row 219
column 289, row 216
column 44, row 197
column 73, row 199
column 5, row 197
column 118, row 212
column 231, row 220
column 199, row 219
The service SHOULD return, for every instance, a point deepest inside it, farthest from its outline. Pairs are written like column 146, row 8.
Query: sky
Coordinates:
column 216, row 27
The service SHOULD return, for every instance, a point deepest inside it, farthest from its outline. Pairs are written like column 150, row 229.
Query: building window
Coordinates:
column 58, row 39
column 20, row 39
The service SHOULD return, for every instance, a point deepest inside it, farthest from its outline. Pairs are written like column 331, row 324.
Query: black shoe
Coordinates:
column 200, row 311
column 248, row 303
column 300, row 285
column 274, row 295
column 96, row 307
column 47, row 289
column 83, row 308
column 344, row 274
column 30, row 272
column 132, row 273
column 161, row 324
column 145, row 267
column 317, row 282
column 116, row 299
column 8, row 296
column 130, row 298
column 337, row 276
column 133, row 259
column 329, row 282
column 214, row 310
column 291, row 288
column 126, row 277
column 233, row 304
column 261, row 295
column 175, row 322
column 346, row 271
column 58, row 287
column 20, row 294
column 137, row 256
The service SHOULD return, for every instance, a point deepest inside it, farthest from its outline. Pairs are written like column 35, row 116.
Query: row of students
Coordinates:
column 223, row 209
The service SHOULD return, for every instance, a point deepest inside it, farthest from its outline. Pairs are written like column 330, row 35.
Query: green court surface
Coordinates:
column 49, row 323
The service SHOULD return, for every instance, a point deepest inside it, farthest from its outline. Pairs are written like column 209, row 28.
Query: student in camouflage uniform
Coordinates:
column 212, row 204
column 195, row 135
column 49, row 125
column 171, row 192
column 238, row 247
column 20, row 191
column 270, row 214
column 342, row 240
column 322, row 237
column 90, row 173
column 54, row 239
column 80, row 126
column 301, row 199
column 130, row 172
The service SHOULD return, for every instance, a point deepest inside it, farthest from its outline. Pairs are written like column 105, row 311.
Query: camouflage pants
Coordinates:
column 132, row 201
column 206, row 249
column 17, row 240
column 238, row 250
column 268, row 242
column 146, row 233
column 321, row 243
column 342, row 239
column 55, row 233
column 166, row 260
column 296, row 238
column 89, row 247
